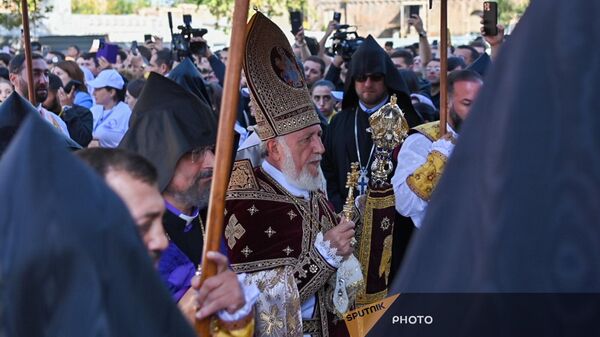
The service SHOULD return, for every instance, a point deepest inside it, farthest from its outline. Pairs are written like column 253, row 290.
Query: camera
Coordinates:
column 346, row 41
column 182, row 45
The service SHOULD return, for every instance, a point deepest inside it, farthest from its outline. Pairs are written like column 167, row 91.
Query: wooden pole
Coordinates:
column 223, row 155
column 443, row 67
column 27, row 42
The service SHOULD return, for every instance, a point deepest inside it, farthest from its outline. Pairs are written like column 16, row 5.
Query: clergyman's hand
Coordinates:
column 340, row 237
column 219, row 292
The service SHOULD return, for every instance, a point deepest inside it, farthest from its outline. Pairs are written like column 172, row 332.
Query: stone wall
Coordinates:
column 387, row 18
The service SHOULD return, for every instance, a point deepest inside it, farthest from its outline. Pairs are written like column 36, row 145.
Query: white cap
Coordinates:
column 338, row 95
column 423, row 99
column 107, row 78
column 245, row 92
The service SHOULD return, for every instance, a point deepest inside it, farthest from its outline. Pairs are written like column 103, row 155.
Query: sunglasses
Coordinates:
column 374, row 77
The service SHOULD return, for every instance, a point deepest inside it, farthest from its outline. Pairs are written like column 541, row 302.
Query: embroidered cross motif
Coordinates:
column 233, row 231
column 288, row 250
column 246, row 251
column 252, row 210
column 385, row 223
column 363, row 181
column 291, row 214
column 270, row 232
column 273, row 324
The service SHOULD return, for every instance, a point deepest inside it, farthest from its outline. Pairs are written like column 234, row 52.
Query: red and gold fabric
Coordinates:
column 270, row 235
column 280, row 96
column 374, row 250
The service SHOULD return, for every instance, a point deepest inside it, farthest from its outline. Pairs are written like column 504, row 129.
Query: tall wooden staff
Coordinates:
column 223, row 155
column 443, row 66
column 27, row 42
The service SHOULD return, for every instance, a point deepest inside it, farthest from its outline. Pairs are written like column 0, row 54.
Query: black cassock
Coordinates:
column 71, row 260
column 349, row 127
column 514, row 218
column 340, row 136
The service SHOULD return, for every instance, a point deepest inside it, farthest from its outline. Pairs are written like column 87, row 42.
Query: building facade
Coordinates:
column 388, row 18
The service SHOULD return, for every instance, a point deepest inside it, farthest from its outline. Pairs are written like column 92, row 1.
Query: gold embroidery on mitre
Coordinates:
column 291, row 214
column 430, row 130
column 242, row 176
column 425, row 178
column 233, row 231
column 280, row 96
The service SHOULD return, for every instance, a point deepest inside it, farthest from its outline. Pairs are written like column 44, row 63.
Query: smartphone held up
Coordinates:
column 490, row 18
column 337, row 17
column 296, row 18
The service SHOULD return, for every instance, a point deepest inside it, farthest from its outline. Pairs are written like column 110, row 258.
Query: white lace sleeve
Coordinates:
column 250, row 295
column 412, row 155
column 327, row 252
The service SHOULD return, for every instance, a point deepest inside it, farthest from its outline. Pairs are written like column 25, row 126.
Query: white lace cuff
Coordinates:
column 250, row 295
column 443, row 146
column 327, row 252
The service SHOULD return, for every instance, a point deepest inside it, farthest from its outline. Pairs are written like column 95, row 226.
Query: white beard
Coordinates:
column 303, row 179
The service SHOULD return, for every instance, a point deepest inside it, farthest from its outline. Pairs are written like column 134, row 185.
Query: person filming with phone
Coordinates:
column 73, row 83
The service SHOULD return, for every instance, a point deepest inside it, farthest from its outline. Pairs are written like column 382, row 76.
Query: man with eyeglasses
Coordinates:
column 423, row 155
column 372, row 79
column 175, row 130
column 432, row 73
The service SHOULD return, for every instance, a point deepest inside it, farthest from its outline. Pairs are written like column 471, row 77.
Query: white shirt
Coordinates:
column 110, row 125
column 412, row 155
column 375, row 108
column 308, row 307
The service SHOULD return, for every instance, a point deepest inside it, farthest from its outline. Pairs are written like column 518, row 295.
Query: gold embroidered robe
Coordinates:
column 270, row 235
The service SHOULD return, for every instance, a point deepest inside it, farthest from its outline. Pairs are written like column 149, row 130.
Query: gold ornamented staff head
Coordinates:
column 388, row 128
column 351, row 182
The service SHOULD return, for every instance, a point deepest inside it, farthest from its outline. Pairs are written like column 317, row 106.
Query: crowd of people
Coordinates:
column 146, row 125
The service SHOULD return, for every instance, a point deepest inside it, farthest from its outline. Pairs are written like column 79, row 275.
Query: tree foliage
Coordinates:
column 509, row 10
column 224, row 8
column 117, row 7
column 38, row 9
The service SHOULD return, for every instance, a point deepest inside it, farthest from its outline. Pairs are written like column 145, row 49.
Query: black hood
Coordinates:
column 370, row 58
column 516, row 209
column 168, row 121
column 187, row 76
column 12, row 113
column 70, row 255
